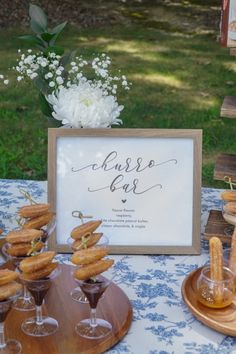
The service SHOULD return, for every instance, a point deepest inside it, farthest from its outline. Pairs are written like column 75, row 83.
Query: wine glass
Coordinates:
column 93, row 327
column 26, row 301
column 215, row 293
column 229, row 215
column 76, row 293
column 47, row 232
column 10, row 345
column 39, row 325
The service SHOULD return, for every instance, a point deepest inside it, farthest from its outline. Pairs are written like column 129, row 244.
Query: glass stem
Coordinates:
column 2, row 336
column 39, row 316
column 26, row 294
column 93, row 318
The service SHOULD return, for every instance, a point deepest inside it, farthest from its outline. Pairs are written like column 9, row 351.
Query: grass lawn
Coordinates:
column 180, row 75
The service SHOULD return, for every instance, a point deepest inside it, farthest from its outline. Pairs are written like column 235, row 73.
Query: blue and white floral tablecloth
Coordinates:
column 162, row 323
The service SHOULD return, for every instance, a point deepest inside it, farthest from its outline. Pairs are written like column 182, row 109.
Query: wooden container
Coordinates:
column 115, row 307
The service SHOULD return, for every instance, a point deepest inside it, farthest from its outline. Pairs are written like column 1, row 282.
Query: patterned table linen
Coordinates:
column 162, row 323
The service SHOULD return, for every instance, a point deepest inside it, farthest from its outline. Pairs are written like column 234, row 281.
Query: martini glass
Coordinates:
column 10, row 346
column 47, row 232
column 76, row 293
column 93, row 327
column 39, row 325
column 25, row 302
column 230, row 218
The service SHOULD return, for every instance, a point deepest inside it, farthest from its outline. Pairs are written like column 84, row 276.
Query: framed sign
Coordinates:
column 143, row 184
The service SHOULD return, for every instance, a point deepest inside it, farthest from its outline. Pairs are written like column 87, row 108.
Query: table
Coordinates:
column 162, row 323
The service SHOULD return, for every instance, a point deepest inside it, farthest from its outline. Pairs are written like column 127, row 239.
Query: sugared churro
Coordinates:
column 89, row 255
column 85, row 229
column 216, row 267
column 23, row 235
column 32, row 264
column 86, row 242
column 229, row 196
column 34, row 210
column 216, row 258
column 39, row 221
column 91, row 270
column 232, row 258
column 230, row 208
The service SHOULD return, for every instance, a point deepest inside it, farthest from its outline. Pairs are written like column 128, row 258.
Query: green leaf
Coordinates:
column 46, row 108
column 31, row 39
column 54, row 49
column 56, row 31
column 35, row 27
column 59, row 28
column 38, row 19
column 47, row 36
column 67, row 58
column 41, row 85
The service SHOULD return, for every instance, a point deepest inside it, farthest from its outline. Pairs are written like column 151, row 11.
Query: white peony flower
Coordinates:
column 85, row 105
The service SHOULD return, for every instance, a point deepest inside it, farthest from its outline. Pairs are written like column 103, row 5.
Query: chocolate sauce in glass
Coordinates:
column 38, row 290
column 94, row 290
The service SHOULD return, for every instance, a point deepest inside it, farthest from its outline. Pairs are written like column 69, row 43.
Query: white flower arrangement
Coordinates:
column 66, row 92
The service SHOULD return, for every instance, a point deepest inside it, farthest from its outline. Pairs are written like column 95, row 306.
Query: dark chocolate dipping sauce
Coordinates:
column 39, row 290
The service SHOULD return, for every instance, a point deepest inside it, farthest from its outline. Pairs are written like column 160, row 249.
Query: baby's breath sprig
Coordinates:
column 76, row 92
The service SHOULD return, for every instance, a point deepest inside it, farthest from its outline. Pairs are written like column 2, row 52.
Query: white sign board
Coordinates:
column 142, row 186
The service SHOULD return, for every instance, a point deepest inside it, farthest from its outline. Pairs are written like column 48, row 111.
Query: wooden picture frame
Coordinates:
column 144, row 184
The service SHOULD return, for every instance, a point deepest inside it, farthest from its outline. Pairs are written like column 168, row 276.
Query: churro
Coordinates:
column 22, row 249
column 9, row 289
column 216, row 267
column 232, row 258
column 91, row 270
column 32, row 264
column 89, row 255
column 229, row 196
column 230, row 208
column 231, row 219
column 216, row 258
column 39, row 221
column 86, row 242
column 34, row 210
column 23, row 235
column 7, row 276
column 40, row 273
column 85, row 229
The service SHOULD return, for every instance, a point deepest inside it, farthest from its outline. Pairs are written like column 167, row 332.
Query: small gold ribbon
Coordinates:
column 228, row 180
column 33, row 251
column 80, row 215
column 27, row 196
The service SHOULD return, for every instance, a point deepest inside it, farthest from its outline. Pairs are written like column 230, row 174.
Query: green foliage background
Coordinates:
column 180, row 75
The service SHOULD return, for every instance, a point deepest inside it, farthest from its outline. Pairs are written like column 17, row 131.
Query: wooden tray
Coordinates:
column 114, row 307
column 216, row 226
column 221, row 320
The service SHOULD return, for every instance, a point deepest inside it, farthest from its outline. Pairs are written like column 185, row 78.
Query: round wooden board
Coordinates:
column 115, row 307
column 221, row 320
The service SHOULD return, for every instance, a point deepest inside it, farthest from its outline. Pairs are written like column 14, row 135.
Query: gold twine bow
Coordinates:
column 228, row 180
column 80, row 215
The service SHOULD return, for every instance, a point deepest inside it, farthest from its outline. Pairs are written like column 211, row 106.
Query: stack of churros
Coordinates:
column 35, row 216
column 84, row 235
column 39, row 266
column 8, row 285
column 21, row 242
column 229, row 213
column 91, row 262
